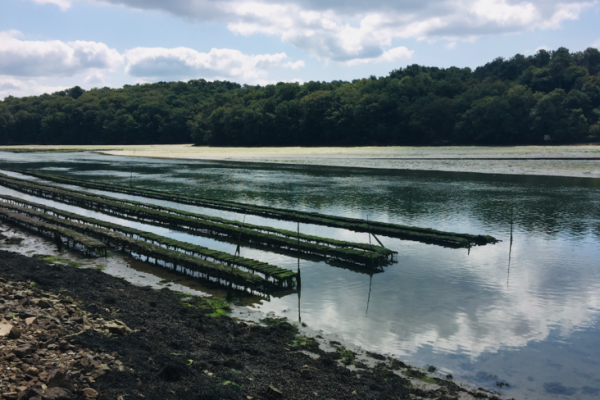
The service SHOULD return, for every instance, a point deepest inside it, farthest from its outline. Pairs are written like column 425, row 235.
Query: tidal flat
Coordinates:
column 573, row 160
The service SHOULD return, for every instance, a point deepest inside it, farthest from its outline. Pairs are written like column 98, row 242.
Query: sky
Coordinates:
column 50, row 45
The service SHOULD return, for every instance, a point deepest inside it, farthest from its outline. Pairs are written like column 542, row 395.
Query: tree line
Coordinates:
column 522, row 100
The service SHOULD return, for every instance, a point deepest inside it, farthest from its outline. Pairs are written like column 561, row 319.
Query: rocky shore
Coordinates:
column 38, row 357
column 73, row 333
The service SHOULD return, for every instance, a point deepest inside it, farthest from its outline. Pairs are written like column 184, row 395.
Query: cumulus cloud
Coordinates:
column 63, row 4
column 9, row 85
column 184, row 62
column 96, row 78
column 53, row 57
column 353, row 31
column 27, row 67
column 25, row 87
column 394, row 54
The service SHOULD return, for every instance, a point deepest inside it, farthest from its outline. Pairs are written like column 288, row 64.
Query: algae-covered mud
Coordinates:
column 522, row 312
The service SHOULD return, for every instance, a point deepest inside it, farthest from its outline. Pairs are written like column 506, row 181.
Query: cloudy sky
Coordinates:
column 48, row 45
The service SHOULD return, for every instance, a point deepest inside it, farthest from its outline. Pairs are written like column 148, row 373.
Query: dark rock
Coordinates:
column 45, row 304
column 306, row 374
column 172, row 372
column 26, row 314
column 274, row 393
column 90, row 393
column 375, row 356
column 56, row 393
column 58, row 379
column 23, row 351
column 15, row 333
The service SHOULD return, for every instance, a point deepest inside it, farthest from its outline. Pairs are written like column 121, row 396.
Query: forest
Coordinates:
column 548, row 97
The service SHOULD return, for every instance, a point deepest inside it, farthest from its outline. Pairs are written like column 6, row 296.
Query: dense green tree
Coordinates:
column 518, row 100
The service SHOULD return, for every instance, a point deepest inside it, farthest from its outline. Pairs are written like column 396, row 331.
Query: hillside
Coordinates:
column 520, row 100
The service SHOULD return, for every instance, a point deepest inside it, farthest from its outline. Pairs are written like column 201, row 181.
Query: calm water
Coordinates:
column 526, row 315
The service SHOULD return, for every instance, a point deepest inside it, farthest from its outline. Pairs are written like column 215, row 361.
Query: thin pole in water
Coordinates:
column 369, row 298
column 368, row 229
column 131, row 172
column 298, row 245
column 299, row 314
column 370, row 245
column 237, row 251
column 512, row 214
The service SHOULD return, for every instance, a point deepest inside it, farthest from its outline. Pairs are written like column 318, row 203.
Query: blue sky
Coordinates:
column 48, row 45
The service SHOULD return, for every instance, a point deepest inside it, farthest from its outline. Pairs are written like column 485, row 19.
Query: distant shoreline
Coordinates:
column 582, row 161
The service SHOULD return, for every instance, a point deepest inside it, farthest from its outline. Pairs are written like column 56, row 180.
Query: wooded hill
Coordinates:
column 507, row 101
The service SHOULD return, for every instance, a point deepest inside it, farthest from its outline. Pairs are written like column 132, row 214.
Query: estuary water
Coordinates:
column 524, row 311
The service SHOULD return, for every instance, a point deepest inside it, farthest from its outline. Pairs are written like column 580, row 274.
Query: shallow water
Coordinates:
column 525, row 314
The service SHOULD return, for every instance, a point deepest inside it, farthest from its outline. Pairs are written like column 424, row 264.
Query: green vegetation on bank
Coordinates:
column 55, row 260
column 507, row 101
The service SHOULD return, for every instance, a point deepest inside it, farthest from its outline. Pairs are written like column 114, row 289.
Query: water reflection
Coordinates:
column 524, row 311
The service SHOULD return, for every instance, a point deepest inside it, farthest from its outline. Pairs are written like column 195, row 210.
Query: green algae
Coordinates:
column 56, row 260
column 211, row 306
column 413, row 373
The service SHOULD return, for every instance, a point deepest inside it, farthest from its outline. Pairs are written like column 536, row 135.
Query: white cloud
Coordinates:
column 95, row 78
column 35, row 67
column 53, row 57
column 184, row 62
column 353, row 31
column 394, row 54
column 26, row 87
column 63, row 4
column 9, row 84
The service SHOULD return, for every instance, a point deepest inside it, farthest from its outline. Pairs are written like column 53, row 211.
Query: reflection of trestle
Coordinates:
column 512, row 214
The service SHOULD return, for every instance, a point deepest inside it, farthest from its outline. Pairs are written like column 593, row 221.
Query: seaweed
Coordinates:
column 60, row 216
column 413, row 373
column 387, row 229
column 139, row 213
column 79, row 233
column 56, row 260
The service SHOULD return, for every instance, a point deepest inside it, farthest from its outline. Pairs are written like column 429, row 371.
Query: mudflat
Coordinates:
column 573, row 160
